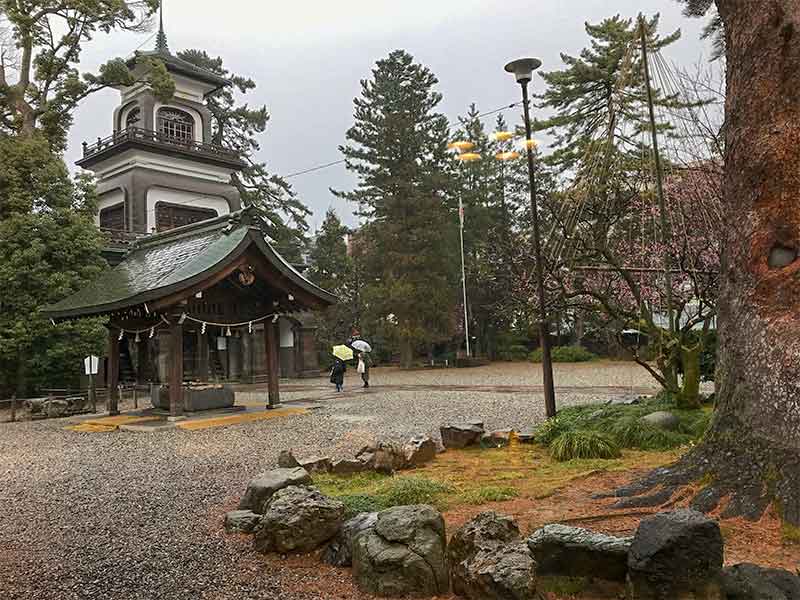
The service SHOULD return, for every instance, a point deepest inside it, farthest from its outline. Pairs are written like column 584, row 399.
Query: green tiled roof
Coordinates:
column 163, row 263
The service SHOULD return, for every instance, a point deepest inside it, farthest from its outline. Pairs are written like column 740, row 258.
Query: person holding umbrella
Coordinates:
column 364, row 361
column 342, row 353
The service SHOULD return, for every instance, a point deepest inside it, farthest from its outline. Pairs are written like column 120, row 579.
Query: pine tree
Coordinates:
column 237, row 126
column 39, row 83
column 397, row 149
column 333, row 269
column 603, row 146
column 598, row 99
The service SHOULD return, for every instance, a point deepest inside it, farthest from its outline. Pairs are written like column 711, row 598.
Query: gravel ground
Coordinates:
column 132, row 516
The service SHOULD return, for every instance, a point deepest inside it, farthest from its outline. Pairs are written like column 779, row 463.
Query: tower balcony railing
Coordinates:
column 137, row 134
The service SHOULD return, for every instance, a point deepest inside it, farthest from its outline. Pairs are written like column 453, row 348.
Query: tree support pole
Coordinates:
column 662, row 205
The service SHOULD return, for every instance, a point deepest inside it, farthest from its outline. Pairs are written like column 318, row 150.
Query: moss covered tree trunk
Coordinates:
column 689, row 395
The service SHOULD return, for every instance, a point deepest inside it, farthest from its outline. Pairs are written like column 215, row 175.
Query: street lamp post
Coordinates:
column 523, row 69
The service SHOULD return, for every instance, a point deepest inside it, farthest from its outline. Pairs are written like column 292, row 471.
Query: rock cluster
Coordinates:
column 54, row 408
column 383, row 456
column 402, row 551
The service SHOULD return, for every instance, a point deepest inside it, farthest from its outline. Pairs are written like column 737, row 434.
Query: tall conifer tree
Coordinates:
column 397, row 149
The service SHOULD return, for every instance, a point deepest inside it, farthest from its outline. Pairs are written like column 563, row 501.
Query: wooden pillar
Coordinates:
column 142, row 359
column 175, row 362
column 203, row 353
column 271, row 352
column 113, row 372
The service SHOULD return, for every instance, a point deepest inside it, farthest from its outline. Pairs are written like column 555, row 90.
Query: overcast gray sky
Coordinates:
column 308, row 57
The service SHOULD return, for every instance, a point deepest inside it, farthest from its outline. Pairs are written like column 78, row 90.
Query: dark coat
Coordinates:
column 337, row 372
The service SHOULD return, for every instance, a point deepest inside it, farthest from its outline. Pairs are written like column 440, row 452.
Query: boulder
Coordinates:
column 36, row 405
column 663, row 420
column 625, row 400
column 750, row 582
column 297, row 518
column 675, row 554
column 574, row 552
column 56, row 408
column 316, row 464
column 263, row 486
column 241, row 521
column 488, row 561
column 527, row 436
column 418, row 451
column 402, row 554
column 461, row 436
column 77, row 404
column 339, row 551
column 496, row 439
column 286, row 460
column 348, row 466
column 383, row 456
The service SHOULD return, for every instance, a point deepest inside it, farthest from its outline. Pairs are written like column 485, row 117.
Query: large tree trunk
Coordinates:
column 758, row 410
column 751, row 455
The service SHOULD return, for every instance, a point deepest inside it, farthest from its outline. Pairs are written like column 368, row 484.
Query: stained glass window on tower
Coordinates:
column 176, row 124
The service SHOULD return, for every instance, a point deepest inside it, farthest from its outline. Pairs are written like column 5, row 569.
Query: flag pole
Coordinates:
column 463, row 272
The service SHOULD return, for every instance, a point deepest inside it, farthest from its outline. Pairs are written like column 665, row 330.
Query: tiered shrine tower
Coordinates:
column 159, row 169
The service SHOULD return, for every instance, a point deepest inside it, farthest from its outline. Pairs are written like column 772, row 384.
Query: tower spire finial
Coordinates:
column 161, row 38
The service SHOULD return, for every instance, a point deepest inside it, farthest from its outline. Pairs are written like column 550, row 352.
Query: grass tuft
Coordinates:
column 412, row 489
column 550, row 430
column 790, row 533
column 371, row 492
column 632, row 432
column 488, row 493
column 583, row 444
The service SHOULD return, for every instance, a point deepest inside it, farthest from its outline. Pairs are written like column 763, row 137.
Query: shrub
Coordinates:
column 583, row 444
column 515, row 352
column 564, row 354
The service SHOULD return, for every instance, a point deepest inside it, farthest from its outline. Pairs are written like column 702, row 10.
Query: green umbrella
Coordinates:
column 343, row 352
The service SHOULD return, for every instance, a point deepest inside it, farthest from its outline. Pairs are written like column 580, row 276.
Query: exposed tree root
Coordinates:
column 733, row 464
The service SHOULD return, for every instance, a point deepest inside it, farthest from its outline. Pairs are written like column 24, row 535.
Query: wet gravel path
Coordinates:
column 138, row 516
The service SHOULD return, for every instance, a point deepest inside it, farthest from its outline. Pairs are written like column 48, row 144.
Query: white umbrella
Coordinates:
column 361, row 346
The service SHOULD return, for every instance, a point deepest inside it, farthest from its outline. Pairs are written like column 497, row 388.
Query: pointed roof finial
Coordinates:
column 161, row 38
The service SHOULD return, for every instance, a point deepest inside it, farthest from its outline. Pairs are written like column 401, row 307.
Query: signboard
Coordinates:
column 91, row 364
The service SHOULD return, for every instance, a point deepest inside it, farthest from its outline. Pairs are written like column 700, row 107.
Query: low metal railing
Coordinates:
column 156, row 137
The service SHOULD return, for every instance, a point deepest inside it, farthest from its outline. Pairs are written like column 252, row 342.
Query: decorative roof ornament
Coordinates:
column 161, row 38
